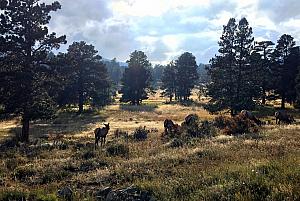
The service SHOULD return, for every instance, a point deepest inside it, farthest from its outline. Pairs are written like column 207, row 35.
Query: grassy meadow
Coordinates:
column 247, row 167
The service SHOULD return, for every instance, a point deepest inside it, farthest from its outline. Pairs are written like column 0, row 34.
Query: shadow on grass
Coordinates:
column 138, row 108
column 67, row 123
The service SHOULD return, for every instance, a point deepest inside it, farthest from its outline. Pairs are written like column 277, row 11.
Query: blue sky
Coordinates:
column 164, row 29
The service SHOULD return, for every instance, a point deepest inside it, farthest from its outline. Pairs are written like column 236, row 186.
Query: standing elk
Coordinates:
column 100, row 134
column 249, row 115
column 282, row 116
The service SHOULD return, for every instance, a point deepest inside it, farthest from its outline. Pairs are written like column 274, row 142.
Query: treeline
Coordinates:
column 35, row 83
column 247, row 72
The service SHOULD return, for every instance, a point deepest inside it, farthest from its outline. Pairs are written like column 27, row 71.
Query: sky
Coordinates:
column 164, row 29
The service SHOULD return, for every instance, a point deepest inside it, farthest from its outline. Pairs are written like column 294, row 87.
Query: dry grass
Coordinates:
column 218, row 168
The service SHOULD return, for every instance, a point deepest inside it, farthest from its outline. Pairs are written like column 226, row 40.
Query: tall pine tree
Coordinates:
column 232, row 86
column 284, row 68
column 24, row 45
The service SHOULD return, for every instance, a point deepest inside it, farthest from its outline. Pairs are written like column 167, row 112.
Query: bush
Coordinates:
column 24, row 172
column 240, row 125
column 12, row 195
column 221, row 122
column 174, row 143
column 237, row 125
column 88, row 155
column 140, row 133
column 119, row 133
column 117, row 150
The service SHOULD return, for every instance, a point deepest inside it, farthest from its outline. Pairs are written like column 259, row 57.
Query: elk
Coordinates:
column 168, row 125
column 100, row 134
column 282, row 116
column 249, row 115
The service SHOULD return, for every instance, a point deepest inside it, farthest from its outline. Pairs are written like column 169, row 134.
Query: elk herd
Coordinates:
column 281, row 116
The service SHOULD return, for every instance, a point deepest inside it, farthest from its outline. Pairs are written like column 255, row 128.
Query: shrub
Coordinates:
column 12, row 195
column 88, row 155
column 237, row 125
column 221, row 122
column 120, row 133
column 174, row 143
column 117, row 150
column 140, row 133
column 24, row 172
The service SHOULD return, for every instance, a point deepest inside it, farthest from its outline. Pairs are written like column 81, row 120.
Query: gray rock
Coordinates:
column 66, row 193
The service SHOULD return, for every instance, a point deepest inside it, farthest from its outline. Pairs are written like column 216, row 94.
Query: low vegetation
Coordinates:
column 229, row 159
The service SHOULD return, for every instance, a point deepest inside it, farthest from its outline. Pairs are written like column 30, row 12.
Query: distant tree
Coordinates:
column 24, row 46
column 169, row 81
column 187, row 75
column 136, row 81
column 284, row 68
column 115, row 71
column 86, row 76
column 298, row 88
column 157, row 73
column 263, row 73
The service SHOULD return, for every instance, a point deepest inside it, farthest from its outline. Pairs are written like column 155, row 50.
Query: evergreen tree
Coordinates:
column 284, row 67
column 86, row 76
column 244, row 74
column 24, row 45
column 157, row 73
column 136, row 81
column 169, row 81
column 187, row 75
column 262, row 65
column 232, row 85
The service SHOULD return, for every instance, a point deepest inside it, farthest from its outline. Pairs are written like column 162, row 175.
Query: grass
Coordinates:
column 248, row 167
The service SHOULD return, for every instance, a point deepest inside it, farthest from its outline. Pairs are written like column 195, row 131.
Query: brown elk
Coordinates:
column 100, row 134
column 282, row 116
column 168, row 125
column 249, row 115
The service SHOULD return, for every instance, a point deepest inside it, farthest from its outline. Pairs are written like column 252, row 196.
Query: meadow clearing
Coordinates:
column 223, row 167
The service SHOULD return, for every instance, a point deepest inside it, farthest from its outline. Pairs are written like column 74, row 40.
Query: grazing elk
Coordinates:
column 282, row 116
column 100, row 134
column 249, row 115
column 168, row 125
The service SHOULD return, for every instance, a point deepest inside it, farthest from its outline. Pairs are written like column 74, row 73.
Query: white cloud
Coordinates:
column 164, row 28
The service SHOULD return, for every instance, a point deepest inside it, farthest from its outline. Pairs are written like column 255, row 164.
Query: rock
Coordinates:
column 102, row 194
column 131, row 193
column 66, row 193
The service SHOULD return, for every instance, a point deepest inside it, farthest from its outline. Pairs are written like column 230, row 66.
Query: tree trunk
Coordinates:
column 283, row 101
column 80, row 103
column 24, row 137
column 170, row 98
column 263, row 102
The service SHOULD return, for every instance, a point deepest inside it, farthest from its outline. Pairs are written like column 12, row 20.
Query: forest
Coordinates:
column 77, row 126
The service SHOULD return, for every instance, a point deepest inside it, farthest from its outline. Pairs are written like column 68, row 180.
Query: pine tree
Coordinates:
column 283, row 68
column 244, row 75
column 222, row 86
column 263, row 67
column 86, row 76
column 169, row 81
column 187, row 75
column 232, row 85
column 136, row 81
column 24, row 45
